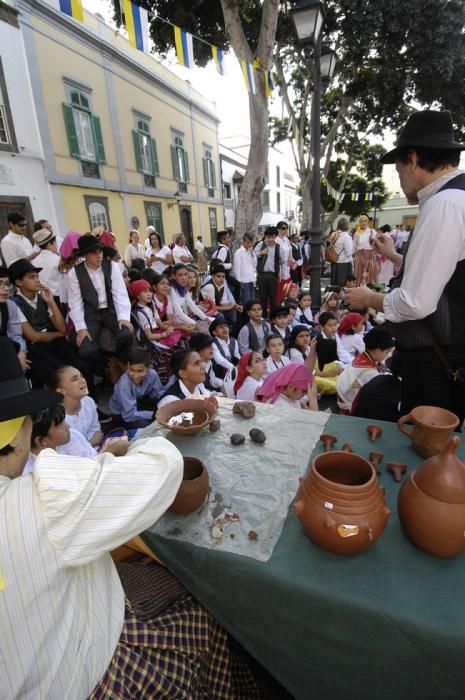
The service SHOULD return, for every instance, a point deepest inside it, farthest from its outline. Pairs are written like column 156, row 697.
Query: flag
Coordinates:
column 136, row 20
column 218, row 58
column 269, row 85
column 73, row 8
column 248, row 73
column 184, row 48
column 356, row 196
column 352, row 197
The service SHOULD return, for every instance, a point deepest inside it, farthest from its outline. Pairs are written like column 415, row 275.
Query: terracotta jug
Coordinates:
column 193, row 489
column 432, row 428
column 340, row 503
column 431, row 504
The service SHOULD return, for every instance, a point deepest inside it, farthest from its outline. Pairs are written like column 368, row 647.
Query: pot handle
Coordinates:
column 401, row 422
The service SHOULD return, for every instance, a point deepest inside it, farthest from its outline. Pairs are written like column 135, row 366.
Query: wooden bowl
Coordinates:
column 203, row 410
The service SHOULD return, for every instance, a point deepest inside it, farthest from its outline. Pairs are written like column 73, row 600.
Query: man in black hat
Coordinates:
column 425, row 308
column 98, row 301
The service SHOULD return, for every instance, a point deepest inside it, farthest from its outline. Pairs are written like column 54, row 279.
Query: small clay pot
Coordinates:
column 374, row 431
column 193, row 489
column 432, row 429
column 375, row 458
column 328, row 441
column 397, row 470
column 347, row 447
column 246, row 409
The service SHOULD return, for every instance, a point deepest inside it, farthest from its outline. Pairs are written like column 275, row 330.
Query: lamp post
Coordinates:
column 308, row 17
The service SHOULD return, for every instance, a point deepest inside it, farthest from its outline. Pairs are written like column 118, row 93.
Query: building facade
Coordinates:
column 126, row 144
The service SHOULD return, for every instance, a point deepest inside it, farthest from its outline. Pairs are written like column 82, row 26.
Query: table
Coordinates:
column 388, row 623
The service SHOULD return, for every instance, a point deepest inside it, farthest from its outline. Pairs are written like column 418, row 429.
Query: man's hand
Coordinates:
column 385, row 245
column 361, row 297
column 81, row 336
column 23, row 361
column 125, row 324
column 116, row 446
column 46, row 295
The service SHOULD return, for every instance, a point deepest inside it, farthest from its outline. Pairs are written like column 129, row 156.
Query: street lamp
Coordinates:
column 308, row 17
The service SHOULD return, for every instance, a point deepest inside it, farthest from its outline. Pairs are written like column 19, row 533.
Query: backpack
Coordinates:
column 330, row 251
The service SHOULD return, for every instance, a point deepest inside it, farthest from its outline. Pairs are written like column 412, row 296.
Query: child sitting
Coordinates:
column 136, row 392
column 331, row 304
column 350, row 332
column 188, row 368
column 274, row 354
column 203, row 344
column 279, row 316
column 304, row 313
column 162, row 340
column 225, row 347
column 250, row 373
column 292, row 307
column 81, row 411
column 332, row 356
column 287, row 387
column 299, row 348
column 252, row 336
column 378, row 345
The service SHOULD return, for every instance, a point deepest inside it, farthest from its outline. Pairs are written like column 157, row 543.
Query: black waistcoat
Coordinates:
column 39, row 317
column 89, row 293
column 262, row 259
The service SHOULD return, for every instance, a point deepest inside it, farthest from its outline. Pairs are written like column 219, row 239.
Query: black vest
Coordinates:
column 227, row 260
column 262, row 258
column 219, row 293
column 38, row 318
column 447, row 323
column 326, row 350
column 231, row 345
column 88, row 291
column 174, row 390
column 253, row 338
column 295, row 252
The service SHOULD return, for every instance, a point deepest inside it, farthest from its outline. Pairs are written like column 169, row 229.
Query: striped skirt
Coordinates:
column 181, row 654
column 366, row 267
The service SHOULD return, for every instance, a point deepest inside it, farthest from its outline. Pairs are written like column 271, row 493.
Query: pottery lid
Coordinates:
column 443, row 476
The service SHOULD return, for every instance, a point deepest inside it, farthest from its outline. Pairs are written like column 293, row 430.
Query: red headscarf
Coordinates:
column 347, row 323
column 242, row 373
column 137, row 287
column 294, row 374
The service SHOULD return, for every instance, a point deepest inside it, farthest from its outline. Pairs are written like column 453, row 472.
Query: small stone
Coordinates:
column 215, row 425
column 244, row 408
column 252, row 535
column 237, row 439
column 257, row 435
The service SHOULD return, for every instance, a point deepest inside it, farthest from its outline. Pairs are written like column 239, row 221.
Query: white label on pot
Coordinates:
column 347, row 530
column 329, row 505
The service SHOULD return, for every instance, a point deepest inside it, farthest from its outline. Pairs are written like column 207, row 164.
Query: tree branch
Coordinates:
column 234, row 30
column 267, row 32
column 328, row 141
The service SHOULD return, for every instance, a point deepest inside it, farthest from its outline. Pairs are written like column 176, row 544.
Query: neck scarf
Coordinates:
column 182, row 291
column 296, row 375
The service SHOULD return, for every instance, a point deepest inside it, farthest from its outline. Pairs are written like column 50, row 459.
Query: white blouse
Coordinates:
column 248, row 389
column 158, row 265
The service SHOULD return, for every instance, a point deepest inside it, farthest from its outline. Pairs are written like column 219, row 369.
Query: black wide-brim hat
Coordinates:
column 87, row 244
column 17, row 399
column 427, row 129
column 200, row 341
column 19, row 268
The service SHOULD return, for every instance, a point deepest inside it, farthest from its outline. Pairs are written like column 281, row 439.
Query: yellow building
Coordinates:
column 126, row 143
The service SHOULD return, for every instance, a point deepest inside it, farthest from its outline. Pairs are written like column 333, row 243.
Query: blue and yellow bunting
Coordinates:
column 249, row 77
column 217, row 55
column 269, row 85
column 184, row 48
column 137, row 25
column 72, row 8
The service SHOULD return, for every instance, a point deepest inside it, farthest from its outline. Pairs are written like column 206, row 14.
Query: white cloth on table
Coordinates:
column 118, row 291
column 14, row 246
column 61, row 599
column 86, row 420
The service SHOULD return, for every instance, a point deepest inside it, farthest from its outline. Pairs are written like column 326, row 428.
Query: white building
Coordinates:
column 279, row 197
column 23, row 186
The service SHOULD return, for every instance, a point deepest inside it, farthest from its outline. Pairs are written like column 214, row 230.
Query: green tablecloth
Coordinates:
column 388, row 623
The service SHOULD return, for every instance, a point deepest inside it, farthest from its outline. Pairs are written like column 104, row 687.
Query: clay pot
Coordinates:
column 431, row 504
column 203, row 412
column 193, row 489
column 374, row 431
column 328, row 441
column 340, row 504
column 432, row 428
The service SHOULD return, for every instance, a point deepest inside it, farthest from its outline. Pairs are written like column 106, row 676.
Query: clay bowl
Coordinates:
column 193, row 489
column 432, row 525
column 347, row 474
column 204, row 412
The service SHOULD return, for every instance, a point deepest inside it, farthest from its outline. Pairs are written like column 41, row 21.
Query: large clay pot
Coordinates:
column 340, row 503
column 431, row 504
column 432, row 428
column 193, row 489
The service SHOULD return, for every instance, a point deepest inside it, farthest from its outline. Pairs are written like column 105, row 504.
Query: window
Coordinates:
column 213, row 223
column 84, row 133
column 154, row 217
column 209, row 173
column 145, row 150
column 227, row 190
column 278, row 176
column 266, row 200
column 278, row 202
column 97, row 210
column 180, row 163
column 7, row 132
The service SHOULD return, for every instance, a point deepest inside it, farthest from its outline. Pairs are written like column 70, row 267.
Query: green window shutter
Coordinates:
column 186, row 165
column 205, row 172
column 137, row 151
column 174, row 160
column 98, row 139
column 155, row 166
column 73, row 142
column 213, row 175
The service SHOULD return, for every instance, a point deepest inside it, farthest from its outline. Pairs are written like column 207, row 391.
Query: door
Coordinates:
column 9, row 205
column 186, row 226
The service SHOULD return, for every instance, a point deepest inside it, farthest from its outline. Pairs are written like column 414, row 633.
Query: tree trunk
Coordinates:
column 249, row 207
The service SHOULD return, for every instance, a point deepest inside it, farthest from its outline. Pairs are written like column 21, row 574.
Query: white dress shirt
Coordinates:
column 248, row 389
column 220, row 359
column 86, row 420
column 436, row 246
column 118, row 290
column 285, row 251
column 179, row 308
column 179, row 250
column 221, row 254
column 344, row 247
column 134, row 252
column 362, row 239
column 14, row 246
column 61, row 600
column 49, row 275
column 244, row 265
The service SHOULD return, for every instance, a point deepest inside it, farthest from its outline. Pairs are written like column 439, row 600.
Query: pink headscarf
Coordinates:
column 69, row 244
column 294, row 374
